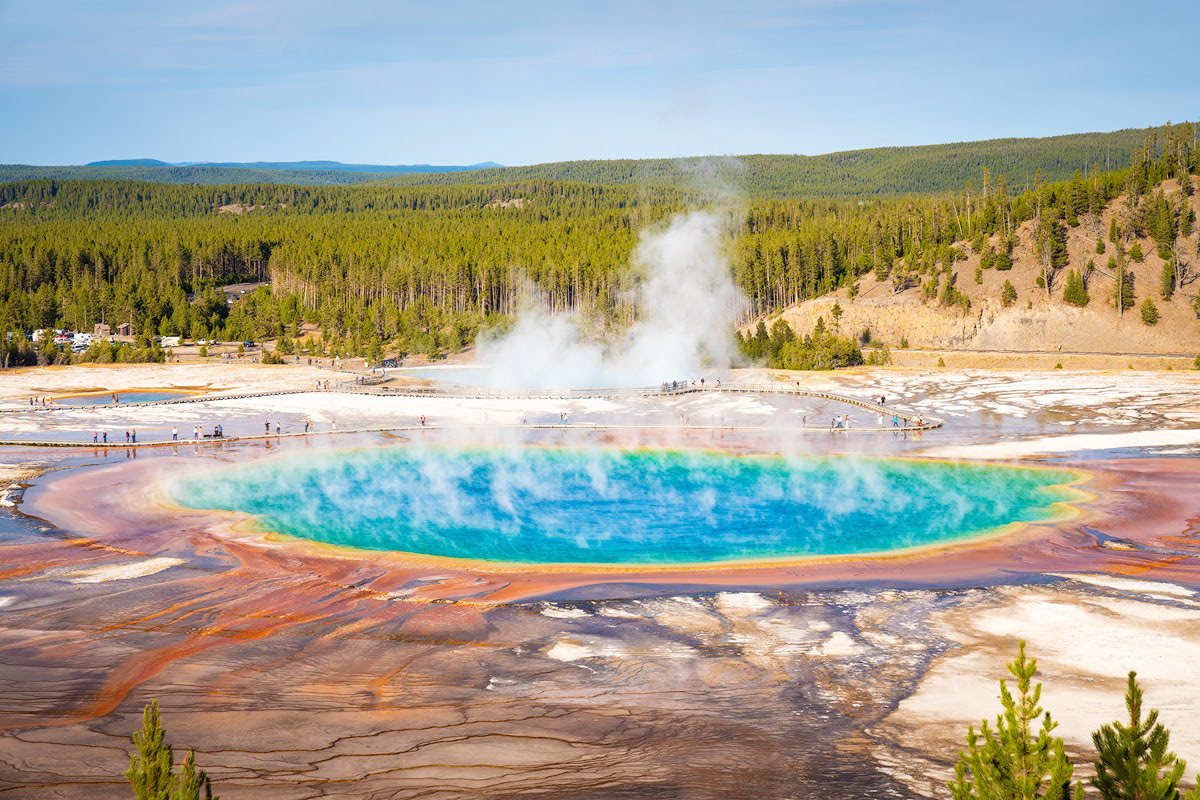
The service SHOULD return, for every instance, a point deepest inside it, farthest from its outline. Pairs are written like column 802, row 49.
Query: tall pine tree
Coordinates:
column 1075, row 292
column 1133, row 762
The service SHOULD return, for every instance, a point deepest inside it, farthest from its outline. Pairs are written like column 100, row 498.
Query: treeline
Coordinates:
column 782, row 348
column 421, row 269
column 45, row 200
column 198, row 175
column 877, row 172
column 294, row 173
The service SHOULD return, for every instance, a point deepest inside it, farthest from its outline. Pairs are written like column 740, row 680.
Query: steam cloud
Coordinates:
column 687, row 306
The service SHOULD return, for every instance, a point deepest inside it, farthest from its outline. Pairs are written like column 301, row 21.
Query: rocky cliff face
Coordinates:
column 988, row 326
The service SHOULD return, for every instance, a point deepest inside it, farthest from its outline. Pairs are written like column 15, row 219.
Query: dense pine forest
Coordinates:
column 388, row 268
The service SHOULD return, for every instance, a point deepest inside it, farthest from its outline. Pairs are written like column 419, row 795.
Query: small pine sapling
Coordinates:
column 1010, row 761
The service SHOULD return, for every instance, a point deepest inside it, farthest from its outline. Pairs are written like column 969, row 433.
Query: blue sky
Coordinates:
column 461, row 82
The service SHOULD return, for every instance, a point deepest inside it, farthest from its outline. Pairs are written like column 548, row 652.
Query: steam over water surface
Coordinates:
column 608, row 506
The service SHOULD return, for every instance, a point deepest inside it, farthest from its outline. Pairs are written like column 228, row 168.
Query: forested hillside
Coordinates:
column 884, row 172
column 420, row 269
column 879, row 172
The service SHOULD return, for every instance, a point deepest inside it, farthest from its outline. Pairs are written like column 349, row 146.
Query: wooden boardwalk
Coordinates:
column 912, row 422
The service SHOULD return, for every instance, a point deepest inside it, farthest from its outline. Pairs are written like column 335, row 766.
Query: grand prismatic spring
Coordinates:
column 620, row 507
column 701, row 595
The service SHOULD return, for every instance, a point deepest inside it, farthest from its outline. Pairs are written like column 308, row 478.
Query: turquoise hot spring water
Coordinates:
column 542, row 505
column 105, row 398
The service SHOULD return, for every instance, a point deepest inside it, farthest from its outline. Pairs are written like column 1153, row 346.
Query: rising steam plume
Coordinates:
column 687, row 305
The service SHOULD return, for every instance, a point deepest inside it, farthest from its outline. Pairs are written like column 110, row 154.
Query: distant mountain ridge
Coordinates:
column 131, row 162
column 298, row 166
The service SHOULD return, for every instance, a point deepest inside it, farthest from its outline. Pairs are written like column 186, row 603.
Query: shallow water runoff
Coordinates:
column 616, row 507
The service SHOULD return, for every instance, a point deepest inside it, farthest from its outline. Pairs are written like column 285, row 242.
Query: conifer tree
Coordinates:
column 1149, row 312
column 836, row 313
column 762, row 341
column 1010, row 762
column 151, row 771
column 781, row 334
column 1075, row 292
column 1008, row 294
column 1166, row 280
column 192, row 781
column 1123, row 291
column 1133, row 761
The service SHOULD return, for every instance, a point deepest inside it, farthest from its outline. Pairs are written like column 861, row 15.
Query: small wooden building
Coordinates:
column 100, row 329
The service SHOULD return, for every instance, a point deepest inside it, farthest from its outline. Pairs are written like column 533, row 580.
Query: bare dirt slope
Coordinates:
column 1035, row 322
